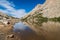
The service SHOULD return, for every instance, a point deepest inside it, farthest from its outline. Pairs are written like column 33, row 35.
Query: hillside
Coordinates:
column 5, row 20
column 49, row 11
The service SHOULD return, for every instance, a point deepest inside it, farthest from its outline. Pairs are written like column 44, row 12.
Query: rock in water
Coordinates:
column 10, row 36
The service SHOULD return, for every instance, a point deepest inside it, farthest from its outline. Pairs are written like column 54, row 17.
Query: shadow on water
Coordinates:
column 25, row 33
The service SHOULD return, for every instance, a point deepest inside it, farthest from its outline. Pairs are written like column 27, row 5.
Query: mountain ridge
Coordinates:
column 50, row 9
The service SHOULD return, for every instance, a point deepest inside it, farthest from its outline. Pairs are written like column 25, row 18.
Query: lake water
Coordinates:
column 49, row 30
column 20, row 26
column 24, row 32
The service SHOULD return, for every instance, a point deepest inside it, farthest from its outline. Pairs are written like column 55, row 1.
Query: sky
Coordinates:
column 18, row 8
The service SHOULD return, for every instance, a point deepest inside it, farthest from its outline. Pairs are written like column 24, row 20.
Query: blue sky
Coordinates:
column 18, row 8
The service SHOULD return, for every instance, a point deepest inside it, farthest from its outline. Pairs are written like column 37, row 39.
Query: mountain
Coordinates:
column 35, row 18
column 3, row 15
column 42, row 13
column 51, row 8
column 45, row 20
column 5, row 18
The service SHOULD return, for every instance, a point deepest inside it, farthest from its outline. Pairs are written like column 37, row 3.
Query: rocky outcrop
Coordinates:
column 6, row 19
column 50, row 9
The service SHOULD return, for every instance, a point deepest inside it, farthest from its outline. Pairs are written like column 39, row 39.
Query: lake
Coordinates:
column 24, row 32
column 48, row 31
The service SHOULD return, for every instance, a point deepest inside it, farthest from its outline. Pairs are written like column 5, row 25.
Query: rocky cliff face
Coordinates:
column 40, row 14
column 50, row 9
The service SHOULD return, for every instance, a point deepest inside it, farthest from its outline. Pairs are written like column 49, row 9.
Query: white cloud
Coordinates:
column 4, row 11
column 6, row 4
column 11, row 10
column 19, row 13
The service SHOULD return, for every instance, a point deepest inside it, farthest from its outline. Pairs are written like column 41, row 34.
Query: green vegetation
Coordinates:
column 23, row 19
column 55, row 19
column 38, row 19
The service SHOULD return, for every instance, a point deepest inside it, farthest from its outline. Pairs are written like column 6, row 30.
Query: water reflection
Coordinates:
column 48, row 31
column 19, row 26
column 25, row 33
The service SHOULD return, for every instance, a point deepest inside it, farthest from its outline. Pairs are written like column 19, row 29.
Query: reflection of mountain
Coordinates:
column 48, row 31
column 43, row 13
column 28, row 34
